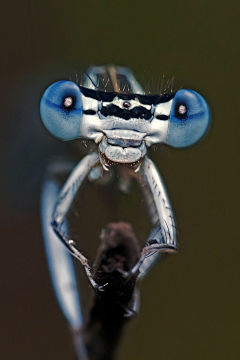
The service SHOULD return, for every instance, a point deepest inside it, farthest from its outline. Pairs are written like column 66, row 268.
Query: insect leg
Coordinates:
column 162, row 238
column 63, row 203
column 150, row 255
column 70, row 188
column 133, row 308
column 161, row 201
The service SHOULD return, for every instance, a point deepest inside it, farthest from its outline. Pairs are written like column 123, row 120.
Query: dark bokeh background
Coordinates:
column 190, row 302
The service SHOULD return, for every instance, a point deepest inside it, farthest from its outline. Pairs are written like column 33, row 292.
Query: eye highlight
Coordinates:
column 182, row 110
column 68, row 102
column 189, row 119
column 61, row 110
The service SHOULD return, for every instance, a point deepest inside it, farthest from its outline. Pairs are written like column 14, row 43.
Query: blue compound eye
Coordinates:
column 189, row 119
column 61, row 110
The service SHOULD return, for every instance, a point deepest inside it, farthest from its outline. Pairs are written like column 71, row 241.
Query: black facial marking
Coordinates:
column 138, row 112
column 89, row 112
column 162, row 117
column 109, row 96
column 154, row 99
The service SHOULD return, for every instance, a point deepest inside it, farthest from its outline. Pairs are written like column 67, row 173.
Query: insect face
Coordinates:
column 124, row 125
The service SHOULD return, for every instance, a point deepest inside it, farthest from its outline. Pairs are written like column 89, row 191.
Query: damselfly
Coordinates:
column 124, row 122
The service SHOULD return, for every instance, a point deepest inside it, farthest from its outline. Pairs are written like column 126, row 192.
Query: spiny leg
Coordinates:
column 162, row 238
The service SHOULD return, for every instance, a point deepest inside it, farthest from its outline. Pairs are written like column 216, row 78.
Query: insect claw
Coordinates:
column 98, row 138
column 101, row 287
column 105, row 167
column 137, row 169
column 125, row 274
column 71, row 242
column 129, row 313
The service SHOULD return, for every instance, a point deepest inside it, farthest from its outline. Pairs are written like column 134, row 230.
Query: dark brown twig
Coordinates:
column 118, row 253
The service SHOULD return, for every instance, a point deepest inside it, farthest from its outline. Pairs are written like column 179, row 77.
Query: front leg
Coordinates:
column 75, row 251
column 72, row 185
column 150, row 255
column 163, row 237
column 63, row 203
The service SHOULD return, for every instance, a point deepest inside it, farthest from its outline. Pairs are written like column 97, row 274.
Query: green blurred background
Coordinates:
column 190, row 302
